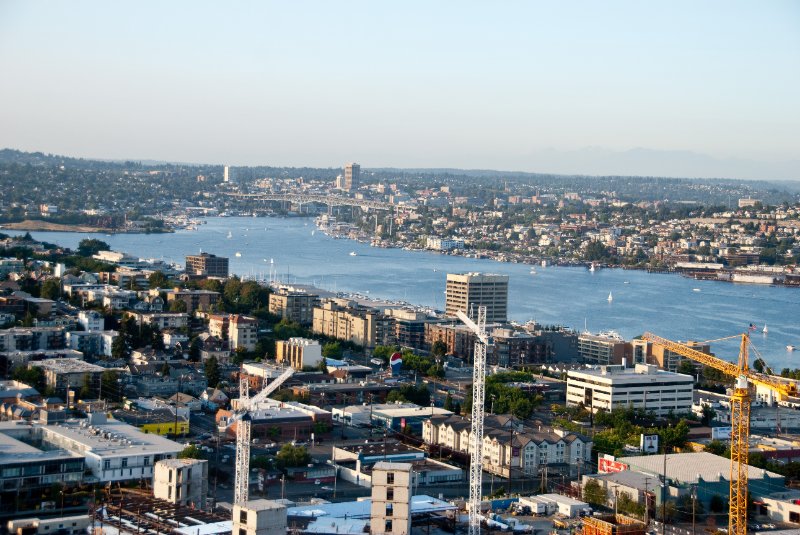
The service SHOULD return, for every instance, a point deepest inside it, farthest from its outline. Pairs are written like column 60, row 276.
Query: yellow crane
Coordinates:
column 740, row 416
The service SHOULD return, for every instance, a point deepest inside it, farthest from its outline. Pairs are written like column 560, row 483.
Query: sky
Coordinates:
column 670, row 88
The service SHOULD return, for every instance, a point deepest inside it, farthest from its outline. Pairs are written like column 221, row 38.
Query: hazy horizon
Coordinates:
column 677, row 89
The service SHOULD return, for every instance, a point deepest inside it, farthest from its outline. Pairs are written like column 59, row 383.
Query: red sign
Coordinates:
column 607, row 466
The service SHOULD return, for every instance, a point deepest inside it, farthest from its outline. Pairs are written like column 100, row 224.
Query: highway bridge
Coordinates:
column 330, row 200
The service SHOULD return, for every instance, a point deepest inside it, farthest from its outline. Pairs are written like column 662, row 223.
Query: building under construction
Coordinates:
column 612, row 525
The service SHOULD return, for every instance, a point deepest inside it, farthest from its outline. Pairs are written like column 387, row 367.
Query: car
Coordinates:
column 317, row 481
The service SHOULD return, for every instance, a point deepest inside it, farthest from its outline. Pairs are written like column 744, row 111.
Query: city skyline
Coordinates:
column 624, row 88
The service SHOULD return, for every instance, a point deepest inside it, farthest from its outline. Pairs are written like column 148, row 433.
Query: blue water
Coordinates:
column 663, row 304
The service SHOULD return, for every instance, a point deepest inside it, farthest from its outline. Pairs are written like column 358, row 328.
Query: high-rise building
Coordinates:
column 226, row 174
column 352, row 173
column 465, row 290
column 390, row 512
column 207, row 265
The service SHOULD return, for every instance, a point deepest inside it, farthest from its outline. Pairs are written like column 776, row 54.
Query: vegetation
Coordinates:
column 504, row 398
column 190, row 452
column 623, row 430
column 292, row 456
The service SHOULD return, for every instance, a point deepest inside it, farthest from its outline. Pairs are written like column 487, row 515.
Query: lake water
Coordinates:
column 667, row 305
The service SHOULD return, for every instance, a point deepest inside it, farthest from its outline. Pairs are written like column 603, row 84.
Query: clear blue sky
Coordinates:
column 556, row 86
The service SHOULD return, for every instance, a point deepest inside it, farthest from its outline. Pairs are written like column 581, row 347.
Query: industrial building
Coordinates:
column 465, row 291
column 642, row 387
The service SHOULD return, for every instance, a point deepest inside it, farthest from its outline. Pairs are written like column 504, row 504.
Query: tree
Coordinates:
column 33, row 376
column 439, row 349
column 194, row 349
column 190, row 452
column 111, row 386
column 89, row 247
column 86, row 387
column 594, row 494
column 120, row 348
column 332, row 350
column 448, row 402
column 290, row 456
column 157, row 279
column 717, row 447
column 51, row 289
column 156, row 338
column 177, row 305
column 212, row 372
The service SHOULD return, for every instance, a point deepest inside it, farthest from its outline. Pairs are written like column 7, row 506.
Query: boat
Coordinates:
column 544, row 263
column 695, row 289
column 353, row 253
column 790, row 348
column 610, row 297
column 238, row 254
column 626, row 282
column 765, row 330
column 230, row 235
column 533, row 271
column 591, row 267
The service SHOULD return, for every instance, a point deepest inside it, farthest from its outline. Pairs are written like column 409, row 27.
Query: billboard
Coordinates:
column 648, row 443
column 396, row 363
column 609, row 465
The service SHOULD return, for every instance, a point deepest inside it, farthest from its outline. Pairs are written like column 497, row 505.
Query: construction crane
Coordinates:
column 740, row 416
column 246, row 404
column 476, row 435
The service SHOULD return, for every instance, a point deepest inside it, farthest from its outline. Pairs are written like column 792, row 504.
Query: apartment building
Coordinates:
column 466, row 291
column 293, row 305
column 298, row 352
column 345, row 320
column 207, row 265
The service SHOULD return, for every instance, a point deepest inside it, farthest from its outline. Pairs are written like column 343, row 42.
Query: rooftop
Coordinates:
column 180, row 463
column 361, row 509
column 689, row 467
column 68, row 365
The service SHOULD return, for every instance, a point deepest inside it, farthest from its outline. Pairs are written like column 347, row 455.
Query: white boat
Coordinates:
column 591, row 267
column 238, row 254
column 610, row 297
column 789, row 348
column 765, row 330
column 626, row 282
column 533, row 271
column 544, row 263
column 695, row 289
column 353, row 253
column 230, row 235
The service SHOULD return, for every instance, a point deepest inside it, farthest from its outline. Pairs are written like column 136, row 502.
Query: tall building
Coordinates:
column 298, row 352
column 352, row 173
column 208, row 265
column 390, row 511
column 226, row 174
column 465, row 290
column 293, row 305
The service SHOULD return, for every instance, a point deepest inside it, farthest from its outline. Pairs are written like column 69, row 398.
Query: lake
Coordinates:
column 665, row 304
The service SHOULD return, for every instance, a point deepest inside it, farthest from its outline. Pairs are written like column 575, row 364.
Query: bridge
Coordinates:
column 330, row 200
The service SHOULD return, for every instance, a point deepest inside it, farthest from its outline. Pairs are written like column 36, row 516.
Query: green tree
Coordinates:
column 190, row 452
column 177, row 305
column 33, row 376
column 194, row 349
column 439, row 349
column 448, row 402
column 332, row 350
column 51, row 289
column 86, row 388
column 111, row 385
column 120, row 349
column 156, row 338
column 594, row 493
column 290, row 456
column 157, row 279
column 89, row 247
column 717, row 447
column 212, row 372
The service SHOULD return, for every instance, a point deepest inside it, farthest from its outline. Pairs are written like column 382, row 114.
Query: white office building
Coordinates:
column 642, row 387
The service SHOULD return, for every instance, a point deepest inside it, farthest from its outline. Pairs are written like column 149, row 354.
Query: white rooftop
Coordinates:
column 109, row 439
column 688, row 467
column 361, row 509
column 68, row 365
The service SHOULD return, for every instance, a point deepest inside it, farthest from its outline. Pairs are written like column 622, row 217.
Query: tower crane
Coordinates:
column 740, row 416
column 476, row 435
column 243, row 427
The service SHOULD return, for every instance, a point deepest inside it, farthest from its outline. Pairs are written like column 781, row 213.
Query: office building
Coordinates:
column 643, row 387
column 298, row 352
column 604, row 348
column 352, row 174
column 182, row 481
column 207, row 265
column 390, row 510
column 472, row 290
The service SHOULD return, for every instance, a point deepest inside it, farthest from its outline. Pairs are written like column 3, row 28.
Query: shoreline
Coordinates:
column 36, row 225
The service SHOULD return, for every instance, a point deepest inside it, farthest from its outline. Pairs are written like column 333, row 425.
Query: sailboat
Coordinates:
column 765, row 330
column 230, row 235
column 591, row 267
column 610, row 297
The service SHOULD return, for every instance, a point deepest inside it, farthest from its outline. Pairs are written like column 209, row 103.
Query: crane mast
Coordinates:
column 241, row 492
column 740, row 417
column 476, row 434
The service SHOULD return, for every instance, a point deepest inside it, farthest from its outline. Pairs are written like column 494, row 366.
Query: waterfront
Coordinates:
column 667, row 305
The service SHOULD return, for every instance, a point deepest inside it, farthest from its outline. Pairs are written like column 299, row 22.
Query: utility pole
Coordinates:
column 646, row 503
column 694, row 501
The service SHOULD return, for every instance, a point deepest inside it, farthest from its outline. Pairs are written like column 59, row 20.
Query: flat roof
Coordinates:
column 13, row 450
column 562, row 499
column 110, row 439
column 361, row 509
column 407, row 412
column 68, row 365
column 687, row 467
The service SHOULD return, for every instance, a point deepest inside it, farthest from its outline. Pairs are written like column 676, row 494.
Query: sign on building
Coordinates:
column 648, row 443
column 720, row 433
column 607, row 465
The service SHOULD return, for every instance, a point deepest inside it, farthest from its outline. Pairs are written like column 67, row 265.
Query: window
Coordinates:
column 390, row 494
column 388, row 526
column 106, row 464
column 147, row 461
column 124, row 462
column 390, row 478
column 243, row 516
column 170, row 477
column 388, row 509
